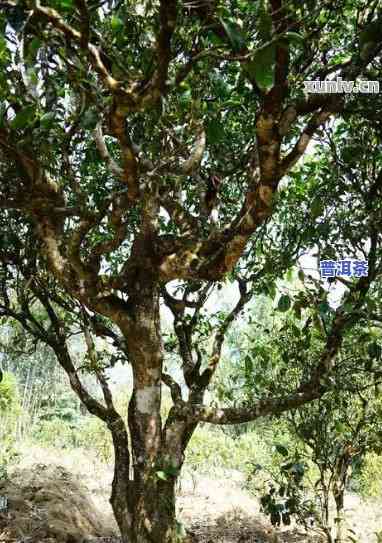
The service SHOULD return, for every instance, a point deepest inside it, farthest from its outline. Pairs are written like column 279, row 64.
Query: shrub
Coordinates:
column 8, row 454
column 211, row 448
column 55, row 433
column 9, row 395
column 370, row 477
column 10, row 410
column 93, row 433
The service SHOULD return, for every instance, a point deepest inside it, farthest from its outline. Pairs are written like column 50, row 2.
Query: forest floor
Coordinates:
column 61, row 497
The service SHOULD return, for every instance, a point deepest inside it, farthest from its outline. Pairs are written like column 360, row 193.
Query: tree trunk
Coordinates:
column 339, row 493
column 153, row 518
column 151, row 495
column 339, row 484
column 145, row 507
column 339, row 498
column 326, row 513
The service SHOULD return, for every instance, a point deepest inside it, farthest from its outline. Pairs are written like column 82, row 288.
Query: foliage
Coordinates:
column 10, row 410
column 57, row 433
column 8, row 453
column 93, row 433
column 9, row 395
column 148, row 155
column 369, row 479
column 289, row 498
column 211, row 450
column 61, row 405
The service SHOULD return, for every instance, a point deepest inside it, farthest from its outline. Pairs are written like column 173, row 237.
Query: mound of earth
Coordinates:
column 47, row 504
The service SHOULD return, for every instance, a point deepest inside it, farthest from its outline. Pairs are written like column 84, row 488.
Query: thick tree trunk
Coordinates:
column 151, row 500
column 145, row 508
column 154, row 518
column 121, row 495
column 150, row 517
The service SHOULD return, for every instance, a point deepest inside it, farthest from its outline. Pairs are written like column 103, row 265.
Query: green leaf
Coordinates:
column 284, row 303
column 248, row 365
column 185, row 97
column 285, row 356
column 324, row 229
column 265, row 24
column 215, row 131
column 271, row 290
column 297, row 309
column 47, row 120
column 3, row 48
column 370, row 34
column 262, row 67
column 66, row 4
column 24, row 117
column 213, row 38
column 295, row 331
column 32, row 75
column 281, row 449
column 316, row 208
column 33, row 47
column 348, row 307
column 180, row 530
column 323, row 308
column 162, row 475
column 116, row 23
column 234, row 33
column 294, row 37
column 374, row 350
column 89, row 119
column 340, row 428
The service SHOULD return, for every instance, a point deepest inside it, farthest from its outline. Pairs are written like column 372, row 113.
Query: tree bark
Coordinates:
column 152, row 492
column 153, row 515
column 339, row 484
column 339, row 497
column 144, row 507
column 327, row 527
column 339, row 492
column 120, row 499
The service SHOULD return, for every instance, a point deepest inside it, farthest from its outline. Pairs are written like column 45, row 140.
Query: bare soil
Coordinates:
column 61, row 497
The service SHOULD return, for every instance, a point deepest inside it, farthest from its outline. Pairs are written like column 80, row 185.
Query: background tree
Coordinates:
column 142, row 147
column 344, row 424
column 338, row 437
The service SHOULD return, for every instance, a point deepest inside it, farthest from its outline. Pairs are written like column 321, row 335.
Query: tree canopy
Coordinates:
column 151, row 151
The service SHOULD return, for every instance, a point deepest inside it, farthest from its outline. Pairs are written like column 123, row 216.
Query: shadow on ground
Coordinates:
column 240, row 528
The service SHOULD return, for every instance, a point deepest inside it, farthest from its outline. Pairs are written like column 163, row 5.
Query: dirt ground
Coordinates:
column 63, row 498
column 219, row 510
